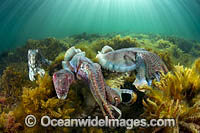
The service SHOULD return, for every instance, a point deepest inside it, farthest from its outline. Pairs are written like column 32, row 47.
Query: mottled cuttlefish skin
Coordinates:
column 35, row 61
column 76, row 65
column 147, row 64
column 91, row 73
column 62, row 80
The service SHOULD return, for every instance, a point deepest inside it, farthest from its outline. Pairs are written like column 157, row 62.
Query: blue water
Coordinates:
column 37, row 19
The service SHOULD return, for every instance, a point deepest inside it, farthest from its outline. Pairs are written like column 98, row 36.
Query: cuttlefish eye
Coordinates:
column 128, row 97
column 117, row 100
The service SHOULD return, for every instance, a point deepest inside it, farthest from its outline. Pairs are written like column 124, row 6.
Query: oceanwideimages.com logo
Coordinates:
column 46, row 121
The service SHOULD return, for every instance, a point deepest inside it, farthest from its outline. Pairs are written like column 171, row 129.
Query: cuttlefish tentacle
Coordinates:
column 98, row 87
column 108, row 99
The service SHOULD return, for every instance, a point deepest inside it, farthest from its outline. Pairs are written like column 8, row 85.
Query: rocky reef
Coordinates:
column 175, row 96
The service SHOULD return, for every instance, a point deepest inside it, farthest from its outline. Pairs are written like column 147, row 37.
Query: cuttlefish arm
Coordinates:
column 109, row 98
column 91, row 73
column 140, row 69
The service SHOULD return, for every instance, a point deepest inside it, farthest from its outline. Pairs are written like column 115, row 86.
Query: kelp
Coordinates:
column 56, row 64
column 50, row 47
column 116, row 80
column 195, row 51
column 92, row 130
column 42, row 100
column 183, row 44
column 175, row 96
column 8, row 123
column 12, row 82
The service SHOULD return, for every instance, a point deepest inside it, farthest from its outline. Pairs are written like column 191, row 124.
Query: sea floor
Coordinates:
column 175, row 96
